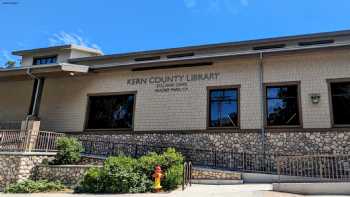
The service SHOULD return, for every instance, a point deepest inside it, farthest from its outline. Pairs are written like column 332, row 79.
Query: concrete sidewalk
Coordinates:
column 246, row 190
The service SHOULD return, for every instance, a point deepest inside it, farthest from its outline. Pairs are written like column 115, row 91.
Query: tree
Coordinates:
column 10, row 64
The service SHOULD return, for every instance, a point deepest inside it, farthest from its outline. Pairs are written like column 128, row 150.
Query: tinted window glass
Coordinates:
column 110, row 112
column 223, row 106
column 282, row 105
column 44, row 60
column 341, row 102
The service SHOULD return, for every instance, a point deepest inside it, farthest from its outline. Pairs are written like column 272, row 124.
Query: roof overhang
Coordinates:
column 56, row 48
column 215, row 46
column 67, row 69
column 52, row 70
column 208, row 59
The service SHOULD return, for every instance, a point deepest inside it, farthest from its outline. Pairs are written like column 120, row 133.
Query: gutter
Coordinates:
column 262, row 104
column 29, row 73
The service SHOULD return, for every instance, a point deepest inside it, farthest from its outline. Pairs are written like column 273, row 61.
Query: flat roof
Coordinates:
column 60, row 69
column 55, row 48
column 212, row 57
column 219, row 45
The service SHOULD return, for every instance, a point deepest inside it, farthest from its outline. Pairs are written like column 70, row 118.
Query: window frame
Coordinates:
column 43, row 57
column 224, row 87
column 281, row 84
column 87, row 111
column 330, row 98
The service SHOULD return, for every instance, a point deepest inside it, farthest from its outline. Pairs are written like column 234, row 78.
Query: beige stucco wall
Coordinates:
column 14, row 100
column 312, row 70
column 64, row 101
column 62, row 56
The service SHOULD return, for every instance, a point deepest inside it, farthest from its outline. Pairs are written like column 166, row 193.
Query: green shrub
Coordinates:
column 147, row 163
column 171, row 163
column 173, row 177
column 118, row 175
column 127, row 175
column 126, row 182
column 69, row 150
column 121, row 163
column 169, row 158
column 92, row 182
column 29, row 186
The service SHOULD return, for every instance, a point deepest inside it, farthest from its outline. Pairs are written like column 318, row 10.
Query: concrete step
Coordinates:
column 216, row 182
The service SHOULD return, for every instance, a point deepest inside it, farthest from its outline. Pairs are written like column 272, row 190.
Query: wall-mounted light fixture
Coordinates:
column 315, row 98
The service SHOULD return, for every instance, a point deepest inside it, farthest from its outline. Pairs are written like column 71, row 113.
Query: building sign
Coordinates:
column 172, row 83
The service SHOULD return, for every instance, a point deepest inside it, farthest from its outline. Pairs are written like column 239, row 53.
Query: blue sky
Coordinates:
column 117, row 26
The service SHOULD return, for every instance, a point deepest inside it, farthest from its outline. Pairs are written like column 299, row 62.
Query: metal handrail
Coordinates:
column 319, row 167
column 230, row 160
column 187, row 175
column 20, row 141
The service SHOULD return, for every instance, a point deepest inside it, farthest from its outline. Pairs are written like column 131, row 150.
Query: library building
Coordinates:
column 276, row 95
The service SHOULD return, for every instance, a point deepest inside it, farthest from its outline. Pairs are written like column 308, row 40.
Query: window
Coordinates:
column 111, row 112
column 180, row 55
column 44, row 60
column 139, row 59
column 317, row 42
column 282, row 105
column 223, row 107
column 173, row 66
column 275, row 46
column 341, row 102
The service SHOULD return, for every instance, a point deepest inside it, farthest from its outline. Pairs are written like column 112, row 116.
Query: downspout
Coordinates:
column 28, row 135
column 29, row 72
column 31, row 75
column 262, row 96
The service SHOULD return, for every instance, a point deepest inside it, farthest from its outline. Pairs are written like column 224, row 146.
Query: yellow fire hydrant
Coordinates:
column 157, row 175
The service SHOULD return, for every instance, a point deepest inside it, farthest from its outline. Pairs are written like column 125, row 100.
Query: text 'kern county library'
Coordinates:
column 283, row 95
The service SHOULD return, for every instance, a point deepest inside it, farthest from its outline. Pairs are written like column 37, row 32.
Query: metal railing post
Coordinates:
column 184, row 176
column 136, row 150
column 215, row 159
column 244, row 161
column 47, row 142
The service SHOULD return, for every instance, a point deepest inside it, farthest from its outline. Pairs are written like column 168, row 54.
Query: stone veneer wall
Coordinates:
column 88, row 160
column 66, row 174
column 71, row 174
column 212, row 174
column 19, row 166
column 281, row 141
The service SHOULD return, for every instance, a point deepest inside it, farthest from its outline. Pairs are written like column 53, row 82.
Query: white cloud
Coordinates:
column 71, row 38
column 231, row 6
column 190, row 3
column 5, row 56
column 215, row 6
column 245, row 3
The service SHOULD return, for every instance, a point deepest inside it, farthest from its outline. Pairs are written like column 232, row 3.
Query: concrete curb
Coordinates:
column 338, row 188
column 216, row 182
